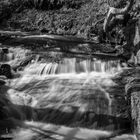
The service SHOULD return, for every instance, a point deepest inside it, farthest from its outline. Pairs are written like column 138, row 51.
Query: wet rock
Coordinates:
column 23, row 63
column 2, row 77
column 2, row 82
column 5, row 50
column 5, row 69
column 133, row 96
column 4, row 54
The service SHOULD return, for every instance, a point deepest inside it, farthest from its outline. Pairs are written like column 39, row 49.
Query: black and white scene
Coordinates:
column 69, row 69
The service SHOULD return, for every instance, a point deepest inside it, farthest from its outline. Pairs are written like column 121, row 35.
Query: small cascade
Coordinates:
column 72, row 65
column 74, row 99
column 8, row 55
column 72, row 92
column 5, row 56
column 18, row 55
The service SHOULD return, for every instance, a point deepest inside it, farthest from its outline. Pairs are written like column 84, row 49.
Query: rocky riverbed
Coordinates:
column 69, row 99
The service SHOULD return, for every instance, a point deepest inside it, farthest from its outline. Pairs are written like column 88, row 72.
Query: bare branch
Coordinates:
column 116, row 11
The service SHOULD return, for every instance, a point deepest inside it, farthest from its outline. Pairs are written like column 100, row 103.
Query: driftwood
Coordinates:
column 90, row 48
column 132, row 36
column 130, row 24
column 117, row 13
column 36, row 35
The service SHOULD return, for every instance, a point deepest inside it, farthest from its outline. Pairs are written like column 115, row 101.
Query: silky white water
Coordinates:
column 72, row 66
column 73, row 98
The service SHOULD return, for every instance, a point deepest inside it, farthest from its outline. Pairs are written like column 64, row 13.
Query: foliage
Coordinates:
column 43, row 4
column 54, row 4
column 55, row 16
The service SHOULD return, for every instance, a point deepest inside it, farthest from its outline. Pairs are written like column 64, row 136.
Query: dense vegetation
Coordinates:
column 74, row 17
column 53, row 16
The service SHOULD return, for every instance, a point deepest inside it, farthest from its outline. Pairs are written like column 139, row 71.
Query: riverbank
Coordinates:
column 65, row 18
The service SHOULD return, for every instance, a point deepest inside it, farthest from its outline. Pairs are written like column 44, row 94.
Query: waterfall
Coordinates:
column 72, row 94
column 13, row 55
column 72, row 65
column 64, row 66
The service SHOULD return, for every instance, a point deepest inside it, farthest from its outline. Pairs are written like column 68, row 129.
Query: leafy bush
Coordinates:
column 8, row 7
column 53, row 4
column 56, row 16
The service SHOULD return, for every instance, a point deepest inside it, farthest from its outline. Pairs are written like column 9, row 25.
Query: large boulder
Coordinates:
column 5, row 50
column 5, row 69
column 131, row 79
column 2, row 82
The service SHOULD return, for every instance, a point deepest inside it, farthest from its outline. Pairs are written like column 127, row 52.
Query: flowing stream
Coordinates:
column 71, row 99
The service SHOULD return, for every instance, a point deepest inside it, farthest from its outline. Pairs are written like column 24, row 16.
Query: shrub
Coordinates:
column 56, row 16
column 53, row 4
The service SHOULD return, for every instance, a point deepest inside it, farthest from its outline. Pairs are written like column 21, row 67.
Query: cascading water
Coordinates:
column 58, row 100
column 73, row 66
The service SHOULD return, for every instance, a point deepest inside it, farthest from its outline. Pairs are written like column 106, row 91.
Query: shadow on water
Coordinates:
column 73, row 118
column 57, row 117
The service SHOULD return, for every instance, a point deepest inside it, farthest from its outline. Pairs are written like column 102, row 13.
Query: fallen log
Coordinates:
column 98, row 55
column 91, row 48
column 36, row 35
column 11, row 37
column 18, row 38
column 16, row 33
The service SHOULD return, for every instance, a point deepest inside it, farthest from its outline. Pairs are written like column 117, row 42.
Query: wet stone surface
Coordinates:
column 5, row 70
column 92, row 98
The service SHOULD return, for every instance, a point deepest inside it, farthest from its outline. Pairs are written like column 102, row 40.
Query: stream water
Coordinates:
column 70, row 99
